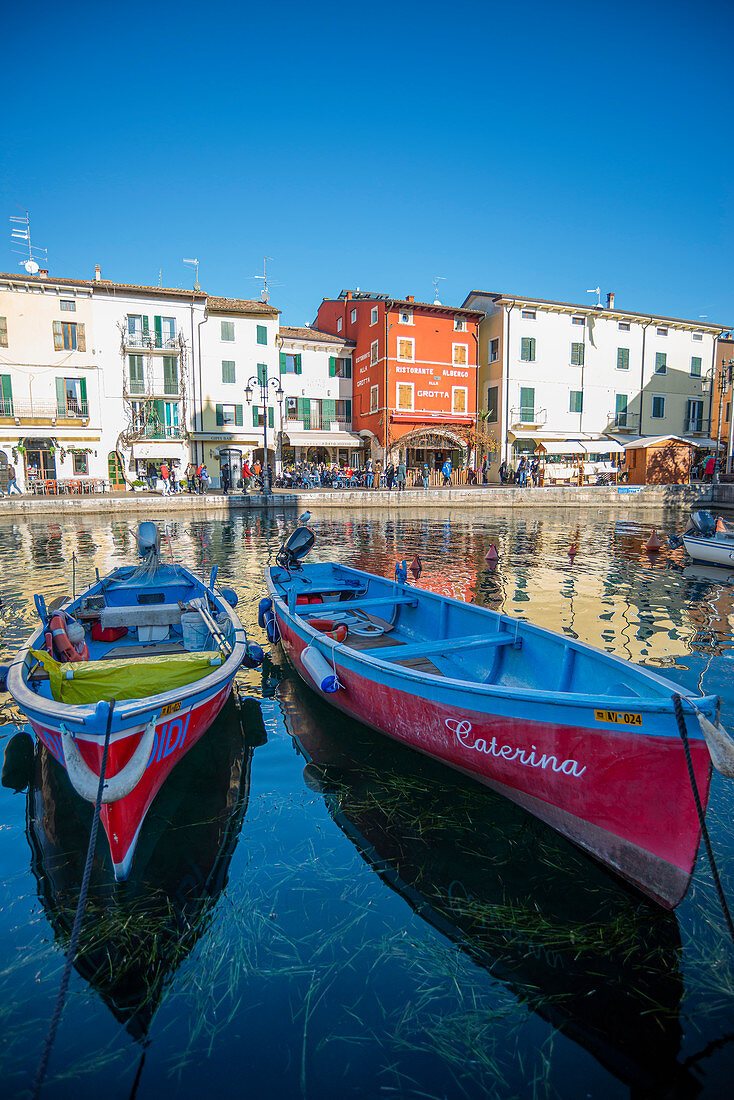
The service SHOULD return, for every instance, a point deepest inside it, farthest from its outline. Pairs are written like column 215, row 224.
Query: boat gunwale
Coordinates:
column 52, row 712
column 704, row 703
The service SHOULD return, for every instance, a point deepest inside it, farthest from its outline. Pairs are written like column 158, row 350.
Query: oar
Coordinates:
column 214, row 629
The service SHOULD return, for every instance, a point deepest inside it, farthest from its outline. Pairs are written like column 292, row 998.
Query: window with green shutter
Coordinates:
column 661, row 362
column 58, row 336
column 576, row 401
column 658, row 406
column 6, row 395
column 283, row 362
column 577, row 355
column 170, row 374
column 298, row 364
column 527, row 349
column 227, row 331
column 262, row 374
column 228, row 371
column 271, row 416
column 238, row 418
column 262, row 334
column 332, row 366
column 492, row 404
column 695, row 366
column 348, row 410
column 328, row 413
column 220, row 415
column 255, row 417
column 623, row 358
column 527, row 404
column 3, row 332
column 61, row 397
column 137, row 378
column 158, row 329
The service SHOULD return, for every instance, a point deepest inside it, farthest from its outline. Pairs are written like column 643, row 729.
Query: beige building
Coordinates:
column 557, row 371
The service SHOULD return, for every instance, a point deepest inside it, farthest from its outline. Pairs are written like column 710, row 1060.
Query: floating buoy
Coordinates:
column 653, row 544
column 492, row 554
column 416, row 566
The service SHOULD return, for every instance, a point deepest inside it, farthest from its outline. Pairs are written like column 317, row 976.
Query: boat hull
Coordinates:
column 174, row 737
column 710, row 551
column 622, row 795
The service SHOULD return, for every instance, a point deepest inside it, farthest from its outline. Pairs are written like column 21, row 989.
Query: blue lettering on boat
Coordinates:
column 463, row 731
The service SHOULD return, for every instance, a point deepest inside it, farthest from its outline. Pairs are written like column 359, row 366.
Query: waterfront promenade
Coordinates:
column 668, row 498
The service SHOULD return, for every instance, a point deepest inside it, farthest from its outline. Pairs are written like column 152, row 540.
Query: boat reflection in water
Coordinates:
column 135, row 934
column 591, row 957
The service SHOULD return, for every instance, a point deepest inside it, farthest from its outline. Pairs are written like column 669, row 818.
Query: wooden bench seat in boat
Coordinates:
column 323, row 610
column 161, row 614
column 448, row 645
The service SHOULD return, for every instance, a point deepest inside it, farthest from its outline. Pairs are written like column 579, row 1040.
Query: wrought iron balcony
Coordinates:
column 43, row 410
column 158, row 431
column 525, row 416
column 159, row 341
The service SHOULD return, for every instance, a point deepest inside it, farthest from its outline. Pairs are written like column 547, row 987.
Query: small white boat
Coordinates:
column 709, row 540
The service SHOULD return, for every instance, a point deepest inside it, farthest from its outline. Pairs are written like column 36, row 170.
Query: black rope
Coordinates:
column 77, row 927
column 678, row 707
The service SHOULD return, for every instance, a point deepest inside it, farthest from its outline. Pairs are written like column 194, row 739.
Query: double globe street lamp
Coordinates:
column 264, row 382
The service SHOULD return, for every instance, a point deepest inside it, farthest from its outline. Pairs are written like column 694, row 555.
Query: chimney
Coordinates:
column 410, row 298
column 610, row 299
column 349, row 295
column 42, row 272
column 97, row 272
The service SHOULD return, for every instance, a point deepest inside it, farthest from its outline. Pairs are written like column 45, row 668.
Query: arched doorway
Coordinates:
column 115, row 470
column 432, row 446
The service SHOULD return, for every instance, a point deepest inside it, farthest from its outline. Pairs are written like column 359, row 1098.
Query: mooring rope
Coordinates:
column 678, row 707
column 76, row 929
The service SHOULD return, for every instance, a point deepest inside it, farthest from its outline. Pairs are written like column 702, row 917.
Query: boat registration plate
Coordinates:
column 618, row 717
column 170, row 709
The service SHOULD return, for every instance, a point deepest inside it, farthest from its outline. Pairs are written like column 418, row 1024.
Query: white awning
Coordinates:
column 324, row 439
column 159, row 448
column 602, row 447
column 567, row 447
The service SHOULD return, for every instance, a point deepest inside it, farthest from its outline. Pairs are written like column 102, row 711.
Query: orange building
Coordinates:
column 722, row 418
column 415, row 375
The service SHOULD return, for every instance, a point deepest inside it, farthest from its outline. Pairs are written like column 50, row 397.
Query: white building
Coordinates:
column 316, row 376
column 239, row 357
column 555, row 371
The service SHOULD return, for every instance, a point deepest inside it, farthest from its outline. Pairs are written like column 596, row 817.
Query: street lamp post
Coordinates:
column 724, row 381
column 264, row 382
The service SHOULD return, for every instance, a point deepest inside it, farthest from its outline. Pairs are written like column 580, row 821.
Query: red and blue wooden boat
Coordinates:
column 161, row 643
column 583, row 740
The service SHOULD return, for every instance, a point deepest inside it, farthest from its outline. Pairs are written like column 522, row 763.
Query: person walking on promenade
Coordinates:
column 190, row 476
column 246, row 473
column 389, row 476
column 370, row 478
column 165, row 477
column 522, row 473
column 502, row 472
column 426, row 474
column 485, row 470
column 152, row 475
column 204, row 479
column 174, row 482
column 224, row 471
column 197, row 478
column 402, row 475
column 12, row 483
column 708, row 468
column 446, row 471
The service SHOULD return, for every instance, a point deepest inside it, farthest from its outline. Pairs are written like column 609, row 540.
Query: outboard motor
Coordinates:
column 149, row 539
column 295, row 548
column 704, row 524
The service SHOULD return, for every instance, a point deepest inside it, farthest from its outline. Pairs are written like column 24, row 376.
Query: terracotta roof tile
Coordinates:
column 240, row 305
column 313, row 335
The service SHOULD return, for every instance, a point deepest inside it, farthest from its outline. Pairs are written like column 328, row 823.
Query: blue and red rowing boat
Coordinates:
column 147, row 653
column 583, row 740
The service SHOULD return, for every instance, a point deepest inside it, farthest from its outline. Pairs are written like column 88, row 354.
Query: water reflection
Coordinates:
column 570, row 942
column 136, row 934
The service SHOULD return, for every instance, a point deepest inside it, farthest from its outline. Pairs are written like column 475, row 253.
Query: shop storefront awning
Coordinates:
column 159, row 448
column 324, row 439
column 564, row 447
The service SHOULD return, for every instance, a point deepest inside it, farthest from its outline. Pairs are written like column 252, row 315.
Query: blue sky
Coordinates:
column 541, row 149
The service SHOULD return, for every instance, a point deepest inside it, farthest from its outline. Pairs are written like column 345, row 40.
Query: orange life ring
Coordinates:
column 337, row 631
column 65, row 650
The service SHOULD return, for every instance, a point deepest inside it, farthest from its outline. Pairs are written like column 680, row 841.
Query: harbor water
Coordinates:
column 317, row 912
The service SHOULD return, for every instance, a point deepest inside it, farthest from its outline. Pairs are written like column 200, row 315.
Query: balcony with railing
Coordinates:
column 152, row 430
column 526, row 416
column 318, row 415
column 152, row 341
column 43, row 410
column 154, row 381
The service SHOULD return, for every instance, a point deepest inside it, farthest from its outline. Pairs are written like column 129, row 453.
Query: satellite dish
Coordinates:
column 31, row 266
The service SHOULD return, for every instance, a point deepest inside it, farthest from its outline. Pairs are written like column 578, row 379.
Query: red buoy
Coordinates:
column 491, row 554
column 653, row 544
column 572, row 551
column 416, row 566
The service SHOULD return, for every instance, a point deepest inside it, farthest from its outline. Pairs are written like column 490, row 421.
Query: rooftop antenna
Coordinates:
column 436, row 301
column 194, row 263
column 20, row 234
column 265, row 292
column 596, row 290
